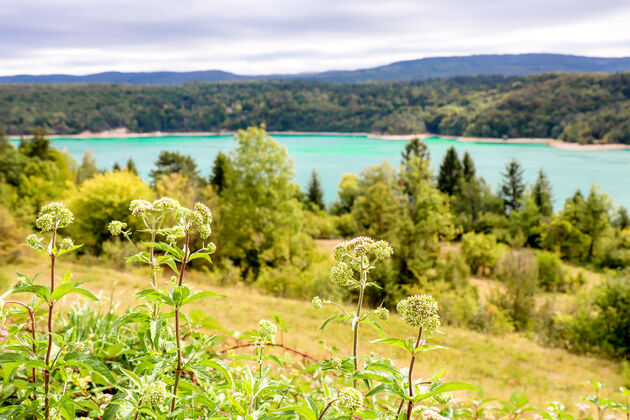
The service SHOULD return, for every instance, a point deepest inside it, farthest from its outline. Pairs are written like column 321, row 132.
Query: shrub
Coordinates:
column 551, row 276
column 480, row 251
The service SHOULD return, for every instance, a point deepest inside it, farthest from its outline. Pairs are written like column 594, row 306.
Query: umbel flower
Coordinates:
column 420, row 311
column 317, row 302
column 356, row 256
column 66, row 244
column 267, row 331
column 33, row 241
column 382, row 313
column 349, row 400
column 53, row 216
column 154, row 394
column 116, row 227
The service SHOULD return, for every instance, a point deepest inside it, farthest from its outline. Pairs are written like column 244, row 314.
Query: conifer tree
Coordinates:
column 468, row 168
column 219, row 169
column 450, row 172
column 116, row 167
column 88, row 167
column 131, row 166
column 415, row 147
column 169, row 162
column 314, row 193
column 513, row 186
column 541, row 193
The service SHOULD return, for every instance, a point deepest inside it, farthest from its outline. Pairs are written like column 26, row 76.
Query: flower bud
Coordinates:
column 267, row 331
column 154, row 394
column 317, row 302
column 66, row 244
column 33, row 241
column 382, row 313
column 116, row 227
column 418, row 310
column 349, row 400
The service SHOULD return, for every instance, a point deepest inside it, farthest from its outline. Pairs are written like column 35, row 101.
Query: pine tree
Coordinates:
column 131, row 166
column 450, row 172
column 415, row 147
column 541, row 193
column 314, row 193
column 170, row 162
column 116, row 167
column 219, row 169
column 468, row 169
column 88, row 167
column 513, row 186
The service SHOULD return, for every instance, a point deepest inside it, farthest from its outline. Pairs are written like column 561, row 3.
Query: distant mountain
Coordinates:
column 421, row 69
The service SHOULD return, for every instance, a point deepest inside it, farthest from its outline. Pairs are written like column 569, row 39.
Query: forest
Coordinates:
column 580, row 108
column 496, row 263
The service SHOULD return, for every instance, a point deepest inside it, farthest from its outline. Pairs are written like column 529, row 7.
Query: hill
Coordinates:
column 420, row 69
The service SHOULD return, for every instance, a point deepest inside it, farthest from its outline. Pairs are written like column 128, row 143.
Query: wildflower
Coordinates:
column 53, row 216
column 79, row 347
column 443, row 398
column 431, row 413
column 238, row 396
column 419, row 310
column 154, row 394
column 342, row 274
column 381, row 250
column 66, row 244
column 166, row 204
column 317, row 302
column 116, row 227
column 33, row 241
column 22, row 281
column 336, row 363
column 204, row 231
column 349, row 400
column 137, row 206
column 267, row 331
column 204, row 211
column 382, row 313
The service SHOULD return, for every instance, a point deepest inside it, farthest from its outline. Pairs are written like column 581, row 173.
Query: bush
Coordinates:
column 518, row 269
column 551, row 276
column 480, row 251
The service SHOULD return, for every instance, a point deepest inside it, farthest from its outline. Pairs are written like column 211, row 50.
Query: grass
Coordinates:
column 500, row 365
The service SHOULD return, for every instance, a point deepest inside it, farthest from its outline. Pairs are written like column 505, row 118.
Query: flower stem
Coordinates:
column 51, row 306
column 413, row 360
column 355, row 338
column 178, row 370
column 326, row 409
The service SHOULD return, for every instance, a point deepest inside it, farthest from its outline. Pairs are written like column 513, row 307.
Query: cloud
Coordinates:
column 287, row 36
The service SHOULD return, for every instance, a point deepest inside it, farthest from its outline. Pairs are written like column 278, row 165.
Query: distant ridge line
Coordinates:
column 409, row 70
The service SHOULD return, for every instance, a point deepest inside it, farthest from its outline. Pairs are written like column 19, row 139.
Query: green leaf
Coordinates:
column 427, row 347
column 112, row 408
column 92, row 363
column 333, row 318
column 446, row 387
column 200, row 295
column 220, row 367
column 65, row 251
column 396, row 342
column 304, row 411
column 174, row 251
column 519, row 399
column 41, row 291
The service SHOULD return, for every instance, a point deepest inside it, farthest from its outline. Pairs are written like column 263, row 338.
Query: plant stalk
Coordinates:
column 355, row 339
column 413, row 360
column 178, row 370
column 51, row 306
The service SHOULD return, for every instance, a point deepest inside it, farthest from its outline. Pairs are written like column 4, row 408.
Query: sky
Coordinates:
column 292, row 36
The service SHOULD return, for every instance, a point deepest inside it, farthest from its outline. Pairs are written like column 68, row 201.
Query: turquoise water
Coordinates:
column 334, row 155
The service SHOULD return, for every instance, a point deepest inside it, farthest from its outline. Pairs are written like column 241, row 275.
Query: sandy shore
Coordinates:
column 558, row 144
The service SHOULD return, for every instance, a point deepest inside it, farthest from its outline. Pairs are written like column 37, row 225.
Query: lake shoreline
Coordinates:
column 558, row 144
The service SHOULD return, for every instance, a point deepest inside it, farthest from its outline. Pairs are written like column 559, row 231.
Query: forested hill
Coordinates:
column 421, row 69
column 578, row 108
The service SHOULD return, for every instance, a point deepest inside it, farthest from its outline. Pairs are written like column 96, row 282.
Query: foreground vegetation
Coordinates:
column 432, row 233
column 576, row 108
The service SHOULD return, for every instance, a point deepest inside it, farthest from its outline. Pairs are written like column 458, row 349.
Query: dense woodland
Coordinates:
column 576, row 108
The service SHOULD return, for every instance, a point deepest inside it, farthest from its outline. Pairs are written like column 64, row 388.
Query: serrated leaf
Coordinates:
column 92, row 363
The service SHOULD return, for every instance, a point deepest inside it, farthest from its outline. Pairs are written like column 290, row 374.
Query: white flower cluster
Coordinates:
column 420, row 311
column 349, row 400
column 267, row 331
column 54, row 216
column 356, row 255
column 154, row 394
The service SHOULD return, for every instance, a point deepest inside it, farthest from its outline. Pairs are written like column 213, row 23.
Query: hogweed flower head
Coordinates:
column 349, row 400
column 166, row 204
column 317, row 302
column 22, row 281
column 420, row 311
column 154, row 394
column 116, row 227
column 197, row 220
column 54, row 215
column 267, row 331
column 33, row 241
column 355, row 256
column 66, row 244
column 443, row 398
column 382, row 313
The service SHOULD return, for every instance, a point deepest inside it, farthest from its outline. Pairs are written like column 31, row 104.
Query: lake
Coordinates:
column 334, row 155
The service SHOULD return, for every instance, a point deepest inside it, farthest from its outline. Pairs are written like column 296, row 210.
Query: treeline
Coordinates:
column 582, row 108
column 444, row 227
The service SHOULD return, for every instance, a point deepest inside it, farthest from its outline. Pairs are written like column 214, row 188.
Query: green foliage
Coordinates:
column 481, row 252
column 512, row 187
column 450, row 172
column 551, row 275
column 314, row 192
column 88, row 167
column 220, row 167
column 518, row 269
column 262, row 221
column 174, row 162
column 99, row 200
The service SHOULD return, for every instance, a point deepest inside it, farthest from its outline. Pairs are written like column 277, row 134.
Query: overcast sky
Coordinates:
column 282, row 36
